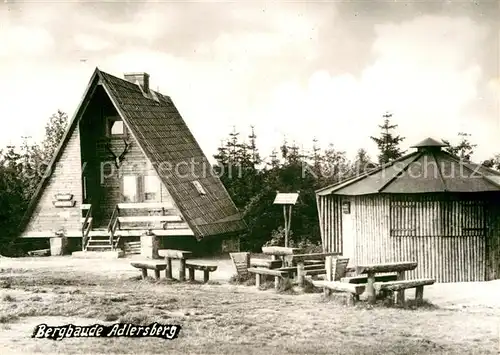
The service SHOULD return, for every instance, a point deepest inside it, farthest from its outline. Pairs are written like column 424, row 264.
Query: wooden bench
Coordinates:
column 362, row 279
column 39, row 252
column 207, row 269
column 313, row 272
column 298, row 259
column 313, row 262
column 402, row 285
column 157, row 266
column 293, row 269
column 266, row 263
column 259, row 271
column 371, row 270
column 279, row 253
column 353, row 290
column 157, row 216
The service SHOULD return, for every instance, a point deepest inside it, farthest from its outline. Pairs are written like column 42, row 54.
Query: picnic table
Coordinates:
column 181, row 255
column 290, row 262
column 371, row 270
column 279, row 253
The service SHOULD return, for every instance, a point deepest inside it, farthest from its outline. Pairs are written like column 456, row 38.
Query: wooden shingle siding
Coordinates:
column 66, row 178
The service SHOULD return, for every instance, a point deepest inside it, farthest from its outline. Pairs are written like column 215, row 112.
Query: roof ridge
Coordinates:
column 458, row 160
column 354, row 179
column 388, row 182
column 441, row 178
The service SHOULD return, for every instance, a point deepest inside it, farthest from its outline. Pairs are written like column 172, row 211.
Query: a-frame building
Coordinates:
column 126, row 164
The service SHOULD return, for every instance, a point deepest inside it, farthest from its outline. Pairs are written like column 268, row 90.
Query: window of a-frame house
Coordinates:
column 152, row 188
column 115, row 127
column 130, row 188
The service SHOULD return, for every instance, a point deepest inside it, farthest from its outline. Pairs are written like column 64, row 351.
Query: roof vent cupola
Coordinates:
column 429, row 144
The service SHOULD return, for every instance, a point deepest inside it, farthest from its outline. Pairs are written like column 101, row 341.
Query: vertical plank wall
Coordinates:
column 330, row 222
column 446, row 237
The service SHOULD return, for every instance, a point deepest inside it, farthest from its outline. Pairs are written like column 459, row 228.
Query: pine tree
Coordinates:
column 253, row 148
column 335, row 166
column 233, row 146
column 388, row 143
column 362, row 162
column 284, row 149
column 492, row 163
column 54, row 131
column 275, row 162
column 464, row 149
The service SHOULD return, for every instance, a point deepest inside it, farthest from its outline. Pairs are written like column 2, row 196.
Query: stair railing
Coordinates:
column 113, row 225
column 86, row 228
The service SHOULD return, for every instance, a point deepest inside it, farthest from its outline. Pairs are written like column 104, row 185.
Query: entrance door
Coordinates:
column 348, row 232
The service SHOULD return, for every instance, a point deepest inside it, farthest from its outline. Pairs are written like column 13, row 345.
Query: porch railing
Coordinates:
column 86, row 227
column 113, row 225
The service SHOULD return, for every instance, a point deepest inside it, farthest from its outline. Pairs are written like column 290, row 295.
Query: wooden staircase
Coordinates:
column 99, row 241
column 132, row 247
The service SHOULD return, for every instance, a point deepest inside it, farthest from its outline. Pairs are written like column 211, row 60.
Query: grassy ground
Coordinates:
column 220, row 318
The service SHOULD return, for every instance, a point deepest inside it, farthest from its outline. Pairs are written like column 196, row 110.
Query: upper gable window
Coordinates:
column 152, row 189
column 115, row 127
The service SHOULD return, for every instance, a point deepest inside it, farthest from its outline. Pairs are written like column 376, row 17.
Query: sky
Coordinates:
column 297, row 70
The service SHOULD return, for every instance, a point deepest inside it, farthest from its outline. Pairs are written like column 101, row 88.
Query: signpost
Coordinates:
column 287, row 200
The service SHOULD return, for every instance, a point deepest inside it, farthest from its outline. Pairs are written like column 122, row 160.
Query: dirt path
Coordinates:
column 228, row 319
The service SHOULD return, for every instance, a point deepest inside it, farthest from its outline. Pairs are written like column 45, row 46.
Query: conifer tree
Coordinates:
column 464, row 149
column 388, row 142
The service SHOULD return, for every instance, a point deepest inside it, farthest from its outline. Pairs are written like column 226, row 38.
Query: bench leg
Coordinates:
column 182, row 270
column 419, row 295
column 370, row 289
column 191, row 274
column 276, row 282
column 168, row 270
column 144, row 273
column 257, row 280
column 206, row 276
column 352, row 299
column 327, row 292
column 300, row 274
column 157, row 274
column 400, row 297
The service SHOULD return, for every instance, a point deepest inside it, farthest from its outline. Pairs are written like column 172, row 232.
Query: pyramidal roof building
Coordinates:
column 428, row 206
column 428, row 169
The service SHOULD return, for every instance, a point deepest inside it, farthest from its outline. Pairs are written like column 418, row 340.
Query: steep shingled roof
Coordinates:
column 428, row 170
column 163, row 136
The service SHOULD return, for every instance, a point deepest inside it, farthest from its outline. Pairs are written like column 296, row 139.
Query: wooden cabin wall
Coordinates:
column 493, row 240
column 65, row 179
column 446, row 236
column 371, row 229
column 330, row 222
